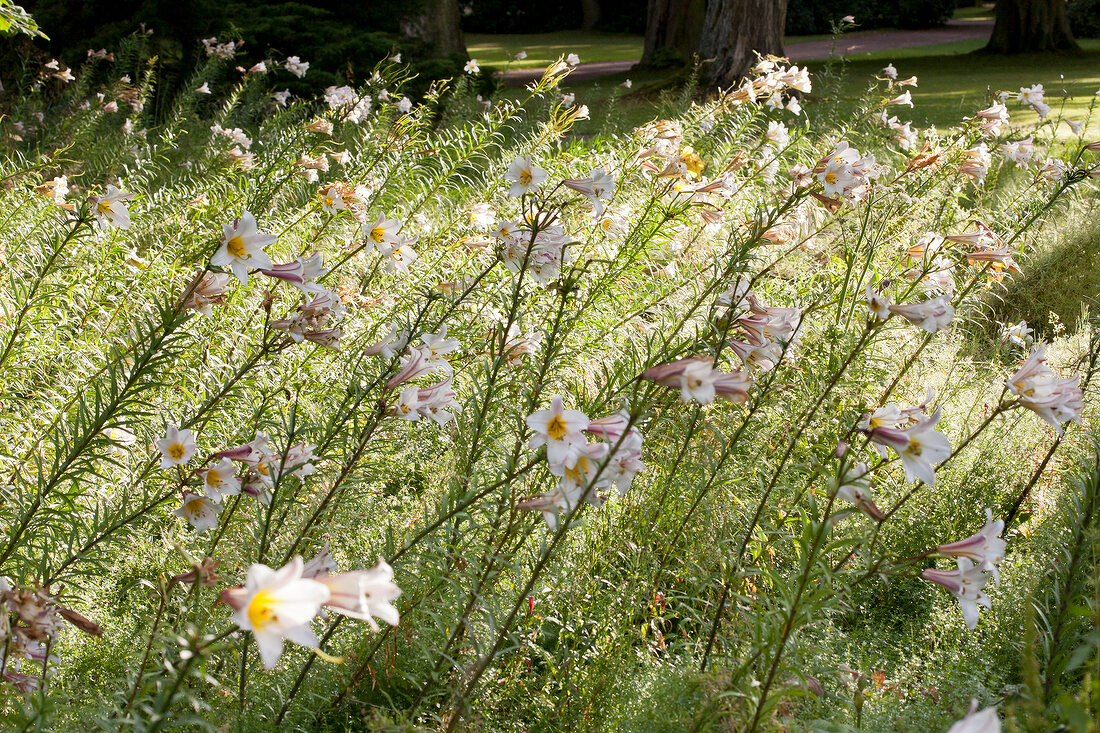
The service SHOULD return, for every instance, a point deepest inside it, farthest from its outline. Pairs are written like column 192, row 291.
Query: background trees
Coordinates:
column 1031, row 25
column 735, row 31
column 727, row 34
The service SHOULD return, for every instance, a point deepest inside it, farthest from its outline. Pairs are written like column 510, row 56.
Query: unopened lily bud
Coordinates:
column 841, row 449
column 81, row 622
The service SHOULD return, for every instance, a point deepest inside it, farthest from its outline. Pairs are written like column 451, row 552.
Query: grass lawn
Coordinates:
column 980, row 12
column 953, row 84
column 544, row 48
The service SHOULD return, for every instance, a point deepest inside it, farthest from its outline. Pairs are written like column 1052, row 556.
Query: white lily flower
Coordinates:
column 559, row 430
column 276, row 605
column 242, row 247
column 177, row 447
column 110, row 208
column 966, row 585
column 525, row 176
column 986, row 548
column 919, row 447
column 1040, row 390
column 199, row 511
column 221, row 481
column 364, row 594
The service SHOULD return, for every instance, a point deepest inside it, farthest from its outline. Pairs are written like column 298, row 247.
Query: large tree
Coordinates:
column 438, row 23
column 673, row 26
column 727, row 34
column 1031, row 25
column 735, row 31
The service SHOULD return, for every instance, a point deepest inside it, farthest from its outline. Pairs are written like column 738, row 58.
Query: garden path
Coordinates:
column 849, row 44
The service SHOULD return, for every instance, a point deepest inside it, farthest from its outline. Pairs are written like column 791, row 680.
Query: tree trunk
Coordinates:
column 673, row 24
column 438, row 23
column 590, row 14
column 734, row 31
column 1031, row 25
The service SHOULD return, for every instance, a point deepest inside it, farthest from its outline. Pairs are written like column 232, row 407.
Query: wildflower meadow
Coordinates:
column 445, row 411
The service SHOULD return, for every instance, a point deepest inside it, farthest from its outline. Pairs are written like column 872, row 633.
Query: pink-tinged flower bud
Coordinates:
column 841, row 449
column 610, row 427
column 414, row 364
column 890, row 437
column 947, row 578
column 291, row 272
column 733, row 387
column 239, row 453
column 668, row 375
column 1093, row 146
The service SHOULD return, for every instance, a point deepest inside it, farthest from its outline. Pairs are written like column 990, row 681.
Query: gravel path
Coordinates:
column 849, row 44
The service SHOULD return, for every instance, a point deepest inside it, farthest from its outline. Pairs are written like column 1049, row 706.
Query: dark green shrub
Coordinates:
column 1084, row 18
column 817, row 16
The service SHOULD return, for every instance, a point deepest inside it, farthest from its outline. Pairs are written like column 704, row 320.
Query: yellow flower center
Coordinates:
column 236, row 247
column 525, row 178
column 556, row 428
column 104, row 207
column 175, row 451
column 213, row 478
column 377, row 233
column 830, row 177
column 194, row 506
column 577, row 472
column 329, row 201
column 261, row 611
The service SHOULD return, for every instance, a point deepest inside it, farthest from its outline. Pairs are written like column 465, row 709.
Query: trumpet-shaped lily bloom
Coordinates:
column 598, row 187
column 276, row 605
column 382, row 232
column 698, row 380
column 110, row 208
column 985, row 549
column 525, row 176
column 242, row 247
column 931, row 315
column 199, row 511
column 296, row 66
column 177, row 447
column 364, row 594
column 392, row 343
column 1040, row 390
column 966, row 584
column 221, row 481
column 332, row 202
column 559, row 430
column 919, row 447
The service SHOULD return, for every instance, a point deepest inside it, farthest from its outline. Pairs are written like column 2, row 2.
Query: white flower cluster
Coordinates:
column 582, row 467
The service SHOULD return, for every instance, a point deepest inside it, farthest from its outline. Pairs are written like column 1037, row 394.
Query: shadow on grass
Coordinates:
column 1059, row 287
